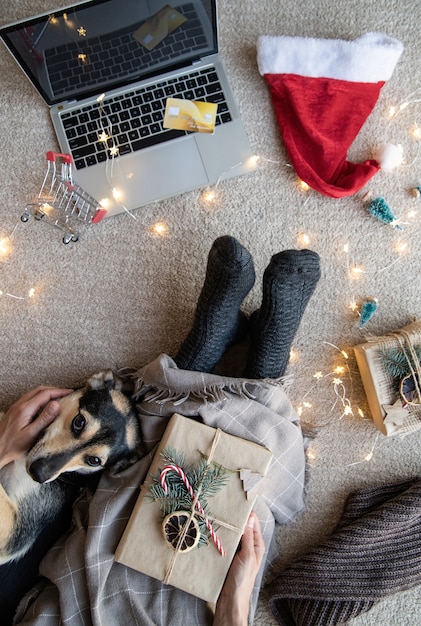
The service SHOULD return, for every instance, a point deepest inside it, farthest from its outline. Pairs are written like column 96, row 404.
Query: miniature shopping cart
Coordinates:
column 61, row 202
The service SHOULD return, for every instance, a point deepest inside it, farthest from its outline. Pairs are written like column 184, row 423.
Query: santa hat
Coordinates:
column 323, row 91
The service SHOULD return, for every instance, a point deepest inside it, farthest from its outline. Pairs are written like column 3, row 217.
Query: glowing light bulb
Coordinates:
column 318, row 375
column 105, row 203
column 5, row 248
column 337, row 381
column 100, row 97
column 117, row 194
column 47, row 208
column 392, row 111
column 344, row 354
column 361, row 412
column 82, row 57
column 416, row 132
column 303, row 186
column 339, row 369
column 208, row 195
column 114, row 150
column 103, row 136
column 293, row 355
column 160, row 229
column 311, row 455
column 356, row 271
column 348, row 410
column 304, row 239
column 253, row 160
column 369, row 457
column 31, row 293
column 81, row 31
column 401, row 247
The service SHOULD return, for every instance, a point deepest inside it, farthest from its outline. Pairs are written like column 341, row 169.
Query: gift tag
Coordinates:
column 157, row 27
column 190, row 115
column 250, row 482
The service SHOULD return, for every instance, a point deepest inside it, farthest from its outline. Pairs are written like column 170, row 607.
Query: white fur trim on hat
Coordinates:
column 368, row 59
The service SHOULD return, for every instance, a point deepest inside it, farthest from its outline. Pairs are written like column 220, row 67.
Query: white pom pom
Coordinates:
column 388, row 156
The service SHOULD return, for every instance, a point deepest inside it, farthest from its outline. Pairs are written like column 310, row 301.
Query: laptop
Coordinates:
column 108, row 69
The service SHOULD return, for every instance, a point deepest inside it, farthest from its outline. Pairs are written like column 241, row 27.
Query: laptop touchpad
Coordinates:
column 159, row 172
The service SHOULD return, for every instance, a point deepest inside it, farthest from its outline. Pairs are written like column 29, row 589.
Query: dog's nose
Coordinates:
column 38, row 472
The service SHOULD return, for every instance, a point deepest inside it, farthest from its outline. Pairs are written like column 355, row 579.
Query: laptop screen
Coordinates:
column 89, row 48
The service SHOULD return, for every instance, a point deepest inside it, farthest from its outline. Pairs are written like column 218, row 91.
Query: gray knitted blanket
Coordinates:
column 83, row 584
column 374, row 551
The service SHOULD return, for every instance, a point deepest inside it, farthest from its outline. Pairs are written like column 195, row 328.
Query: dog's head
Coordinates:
column 98, row 427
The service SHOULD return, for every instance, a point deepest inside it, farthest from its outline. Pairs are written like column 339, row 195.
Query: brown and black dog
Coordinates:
column 98, row 427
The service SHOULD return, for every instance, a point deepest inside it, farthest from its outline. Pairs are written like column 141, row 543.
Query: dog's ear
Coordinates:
column 105, row 380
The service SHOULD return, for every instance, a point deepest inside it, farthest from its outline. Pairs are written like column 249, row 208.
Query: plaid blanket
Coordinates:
column 83, row 585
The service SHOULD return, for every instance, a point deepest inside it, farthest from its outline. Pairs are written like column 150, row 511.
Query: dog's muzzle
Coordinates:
column 41, row 470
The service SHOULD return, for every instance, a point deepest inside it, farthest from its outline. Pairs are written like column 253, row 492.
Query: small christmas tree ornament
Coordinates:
column 380, row 209
column 368, row 308
column 416, row 191
column 323, row 90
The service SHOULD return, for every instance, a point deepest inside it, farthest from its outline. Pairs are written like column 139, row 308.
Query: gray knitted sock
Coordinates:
column 288, row 283
column 218, row 321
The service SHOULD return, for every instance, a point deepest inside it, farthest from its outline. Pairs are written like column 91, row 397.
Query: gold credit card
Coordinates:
column 190, row 115
column 157, row 27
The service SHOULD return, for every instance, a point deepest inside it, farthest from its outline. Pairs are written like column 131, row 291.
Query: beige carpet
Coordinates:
column 123, row 293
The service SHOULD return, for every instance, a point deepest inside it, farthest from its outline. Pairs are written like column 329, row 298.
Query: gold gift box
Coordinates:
column 143, row 546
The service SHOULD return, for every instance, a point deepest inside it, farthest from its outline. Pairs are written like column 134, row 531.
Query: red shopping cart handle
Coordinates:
column 99, row 215
column 52, row 156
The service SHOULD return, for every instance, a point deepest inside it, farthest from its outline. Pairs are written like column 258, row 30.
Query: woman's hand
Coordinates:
column 232, row 608
column 21, row 426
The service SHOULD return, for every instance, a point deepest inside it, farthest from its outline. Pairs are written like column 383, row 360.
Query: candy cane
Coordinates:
column 175, row 468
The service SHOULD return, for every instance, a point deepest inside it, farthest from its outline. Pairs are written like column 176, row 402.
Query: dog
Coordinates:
column 98, row 427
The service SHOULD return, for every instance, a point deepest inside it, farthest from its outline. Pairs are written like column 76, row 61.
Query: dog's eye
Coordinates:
column 78, row 424
column 93, row 461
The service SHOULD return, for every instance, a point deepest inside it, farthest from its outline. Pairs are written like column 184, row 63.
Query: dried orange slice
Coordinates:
column 175, row 531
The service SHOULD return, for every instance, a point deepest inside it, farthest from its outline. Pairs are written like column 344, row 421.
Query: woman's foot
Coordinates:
column 288, row 283
column 218, row 321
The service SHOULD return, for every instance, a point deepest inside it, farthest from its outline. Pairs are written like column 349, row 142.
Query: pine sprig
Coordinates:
column 396, row 363
column 171, row 456
column 209, row 477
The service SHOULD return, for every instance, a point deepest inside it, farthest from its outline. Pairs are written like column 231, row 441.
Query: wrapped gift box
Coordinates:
column 390, row 413
column 144, row 546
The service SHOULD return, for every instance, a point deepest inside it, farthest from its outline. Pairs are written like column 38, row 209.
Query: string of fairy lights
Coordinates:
column 339, row 376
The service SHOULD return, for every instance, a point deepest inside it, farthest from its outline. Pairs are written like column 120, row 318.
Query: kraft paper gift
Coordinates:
column 201, row 570
column 391, row 412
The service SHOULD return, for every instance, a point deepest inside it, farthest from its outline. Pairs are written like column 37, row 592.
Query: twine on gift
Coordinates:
column 171, row 565
column 196, row 504
column 413, row 362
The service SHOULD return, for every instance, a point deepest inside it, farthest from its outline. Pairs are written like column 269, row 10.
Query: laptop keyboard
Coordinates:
column 93, row 61
column 133, row 120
